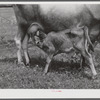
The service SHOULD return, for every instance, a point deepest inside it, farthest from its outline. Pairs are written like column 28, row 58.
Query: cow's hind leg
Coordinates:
column 89, row 61
column 87, row 57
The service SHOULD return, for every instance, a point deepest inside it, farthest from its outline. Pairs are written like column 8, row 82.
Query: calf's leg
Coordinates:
column 82, row 62
column 48, row 61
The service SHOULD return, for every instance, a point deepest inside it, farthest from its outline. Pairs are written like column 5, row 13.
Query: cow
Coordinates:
column 57, row 42
column 56, row 17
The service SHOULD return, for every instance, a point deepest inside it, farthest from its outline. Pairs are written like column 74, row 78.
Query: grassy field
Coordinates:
column 63, row 73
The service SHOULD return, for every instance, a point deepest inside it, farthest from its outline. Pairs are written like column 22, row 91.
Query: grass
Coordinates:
column 63, row 72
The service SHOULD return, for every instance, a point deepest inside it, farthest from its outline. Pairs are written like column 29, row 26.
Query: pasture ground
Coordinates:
column 63, row 73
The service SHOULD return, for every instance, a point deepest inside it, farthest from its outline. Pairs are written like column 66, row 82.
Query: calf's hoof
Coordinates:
column 89, row 76
column 44, row 73
column 28, row 65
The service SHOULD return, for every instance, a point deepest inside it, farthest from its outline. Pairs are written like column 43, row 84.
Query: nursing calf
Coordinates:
column 57, row 42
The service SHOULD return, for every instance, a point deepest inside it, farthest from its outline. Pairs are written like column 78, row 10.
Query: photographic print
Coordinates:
column 49, row 45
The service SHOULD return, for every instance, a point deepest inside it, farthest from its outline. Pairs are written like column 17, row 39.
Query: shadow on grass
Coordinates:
column 55, row 66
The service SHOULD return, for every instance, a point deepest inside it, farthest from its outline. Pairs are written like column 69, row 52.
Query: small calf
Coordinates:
column 53, row 44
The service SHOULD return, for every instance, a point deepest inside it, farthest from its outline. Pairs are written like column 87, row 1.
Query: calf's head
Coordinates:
column 39, row 38
column 35, row 31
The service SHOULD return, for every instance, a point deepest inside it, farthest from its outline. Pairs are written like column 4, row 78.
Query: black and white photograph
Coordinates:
column 50, row 46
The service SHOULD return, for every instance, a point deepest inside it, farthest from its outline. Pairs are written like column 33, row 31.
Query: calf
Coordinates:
column 57, row 42
column 54, row 44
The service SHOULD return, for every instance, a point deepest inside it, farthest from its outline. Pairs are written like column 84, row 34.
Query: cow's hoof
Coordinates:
column 21, row 64
column 87, row 75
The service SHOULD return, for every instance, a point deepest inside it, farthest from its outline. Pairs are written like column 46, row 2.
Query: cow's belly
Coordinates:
column 61, row 10
column 61, row 16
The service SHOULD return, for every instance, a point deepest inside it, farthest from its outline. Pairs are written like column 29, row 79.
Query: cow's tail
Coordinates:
column 88, row 38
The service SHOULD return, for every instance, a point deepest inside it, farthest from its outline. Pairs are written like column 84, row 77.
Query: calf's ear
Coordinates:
column 37, row 40
column 37, row 33
column 44, row 35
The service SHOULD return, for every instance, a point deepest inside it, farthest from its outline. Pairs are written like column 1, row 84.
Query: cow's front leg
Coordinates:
column 25, row 49
column 19, row 47
column 48, row 61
